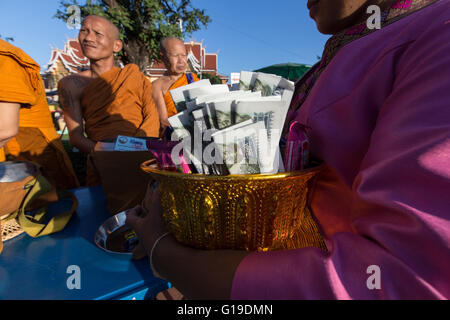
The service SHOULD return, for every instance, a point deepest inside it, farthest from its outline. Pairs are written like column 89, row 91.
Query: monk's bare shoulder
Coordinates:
column 159, row 84
column 76, row 81
column 71, row 87
column 163, row 84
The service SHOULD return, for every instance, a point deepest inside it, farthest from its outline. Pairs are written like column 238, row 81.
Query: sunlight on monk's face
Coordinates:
column 175, row 56
column 333, row 16
column 98, row 38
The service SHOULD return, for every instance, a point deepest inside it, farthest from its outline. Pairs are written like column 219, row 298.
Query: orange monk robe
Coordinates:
column 37, row 140
column 120, row 102
column 170, row 105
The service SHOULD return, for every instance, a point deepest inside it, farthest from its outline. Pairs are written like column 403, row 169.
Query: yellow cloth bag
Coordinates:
column 27, row 200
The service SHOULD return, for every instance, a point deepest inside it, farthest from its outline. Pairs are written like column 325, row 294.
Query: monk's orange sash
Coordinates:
column 182, row 81
column 120, row 102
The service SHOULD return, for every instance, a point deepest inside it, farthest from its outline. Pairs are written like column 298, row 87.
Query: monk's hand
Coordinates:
column 100, row 146
column 148, row 225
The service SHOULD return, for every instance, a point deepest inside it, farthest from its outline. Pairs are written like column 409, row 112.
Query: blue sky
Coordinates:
column 248, row 34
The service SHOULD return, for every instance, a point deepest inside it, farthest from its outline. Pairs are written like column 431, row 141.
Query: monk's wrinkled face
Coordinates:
column 333, row 16
column 174, row 56
column 98, row 38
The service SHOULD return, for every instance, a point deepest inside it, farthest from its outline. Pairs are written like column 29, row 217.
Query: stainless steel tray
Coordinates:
column 114, row 236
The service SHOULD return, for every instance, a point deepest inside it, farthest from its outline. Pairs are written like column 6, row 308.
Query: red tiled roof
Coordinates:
column 196, row 50
column 210, row 62
column 76, row 49
column 71, row 57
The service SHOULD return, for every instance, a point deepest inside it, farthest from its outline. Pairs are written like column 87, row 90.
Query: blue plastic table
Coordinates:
column 37, row 269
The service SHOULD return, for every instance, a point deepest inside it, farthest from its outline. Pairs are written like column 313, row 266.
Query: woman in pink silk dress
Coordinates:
column 378, row 111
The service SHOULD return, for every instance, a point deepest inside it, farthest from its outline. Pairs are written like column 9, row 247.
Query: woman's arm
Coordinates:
column 198, row 274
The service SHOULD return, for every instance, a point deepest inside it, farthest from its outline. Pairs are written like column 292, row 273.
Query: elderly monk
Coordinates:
column 106, row 101
column 173, row 54
column 21, row 87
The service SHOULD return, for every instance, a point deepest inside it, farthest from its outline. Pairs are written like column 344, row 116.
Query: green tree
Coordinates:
column 212, row 78
column 142, row 23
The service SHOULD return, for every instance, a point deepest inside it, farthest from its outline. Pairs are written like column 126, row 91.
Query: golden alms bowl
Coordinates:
column 242, row 212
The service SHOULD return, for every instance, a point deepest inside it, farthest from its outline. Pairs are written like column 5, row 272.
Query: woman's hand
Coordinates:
column 190, row 270
column 147, row 222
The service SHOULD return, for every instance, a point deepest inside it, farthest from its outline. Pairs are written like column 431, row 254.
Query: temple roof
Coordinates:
column 71, row 57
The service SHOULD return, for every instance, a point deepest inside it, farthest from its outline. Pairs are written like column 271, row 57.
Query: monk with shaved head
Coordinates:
column 173, row 54
column 106, row 101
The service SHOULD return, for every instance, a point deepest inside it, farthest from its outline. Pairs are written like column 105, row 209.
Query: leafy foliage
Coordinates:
column 212, row 78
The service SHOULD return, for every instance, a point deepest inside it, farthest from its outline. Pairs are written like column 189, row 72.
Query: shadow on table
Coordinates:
column 90, row 215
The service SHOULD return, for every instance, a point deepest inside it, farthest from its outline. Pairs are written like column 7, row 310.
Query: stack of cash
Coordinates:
column 233, row 132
